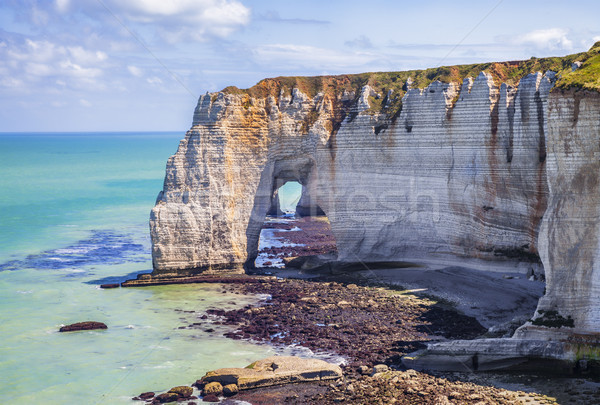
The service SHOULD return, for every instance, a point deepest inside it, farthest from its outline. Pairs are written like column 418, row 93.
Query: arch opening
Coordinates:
column 295, row 230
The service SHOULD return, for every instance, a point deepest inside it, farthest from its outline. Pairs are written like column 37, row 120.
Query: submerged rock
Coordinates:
column 210, row 398
column 88, row 325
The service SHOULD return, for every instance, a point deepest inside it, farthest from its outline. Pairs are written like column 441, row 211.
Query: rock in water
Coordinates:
column 210, row 398
column 275, row 370
column 230, row 389
column 213, row 387
column 88, row 325
column 166, row 397
column 183, row 391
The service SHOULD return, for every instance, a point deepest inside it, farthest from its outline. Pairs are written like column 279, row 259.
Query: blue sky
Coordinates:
column 101, row 65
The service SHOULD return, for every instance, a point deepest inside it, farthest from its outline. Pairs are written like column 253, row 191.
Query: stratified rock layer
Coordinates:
column 570, row 235
column 447, row 172
column 274, row 370
column 459, row 172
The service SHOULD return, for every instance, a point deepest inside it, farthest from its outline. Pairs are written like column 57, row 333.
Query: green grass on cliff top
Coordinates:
column 587, row 77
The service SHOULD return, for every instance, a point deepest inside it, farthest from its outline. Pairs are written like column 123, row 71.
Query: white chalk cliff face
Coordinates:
column 570, row 233
column 566, row 325
column 459, row 173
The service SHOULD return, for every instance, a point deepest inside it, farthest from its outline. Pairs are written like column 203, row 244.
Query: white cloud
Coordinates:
column 85, row 56
column 173, row 20
column 215, row 13
column 63, row 5
column 84, row 102
column 362, row 42
column 11, row 82
column 38, row 69
column 30, row 62
column 154, row 80
column 134, row 70
column 547, row 39
column 281, row 56
column 75, row 70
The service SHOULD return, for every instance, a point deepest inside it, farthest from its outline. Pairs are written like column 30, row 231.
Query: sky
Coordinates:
column 140, row 65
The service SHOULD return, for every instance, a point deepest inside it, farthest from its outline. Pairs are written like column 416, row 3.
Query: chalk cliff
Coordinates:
column 453, row 163
column 459, row 171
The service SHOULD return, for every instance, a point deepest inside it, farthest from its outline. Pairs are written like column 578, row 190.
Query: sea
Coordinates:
column 74, row 211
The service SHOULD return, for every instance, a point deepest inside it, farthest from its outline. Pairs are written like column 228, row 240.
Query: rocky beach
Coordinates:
column 365, row 325
column 367, row 329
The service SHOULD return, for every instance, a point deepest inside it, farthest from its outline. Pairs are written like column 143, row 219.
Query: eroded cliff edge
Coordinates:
column 453, row 163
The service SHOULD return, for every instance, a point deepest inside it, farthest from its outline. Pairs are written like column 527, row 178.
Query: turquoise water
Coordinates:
column 73, row 214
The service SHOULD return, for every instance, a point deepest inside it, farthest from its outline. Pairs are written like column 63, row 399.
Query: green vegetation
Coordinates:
column 587, row 77
column 552, row 319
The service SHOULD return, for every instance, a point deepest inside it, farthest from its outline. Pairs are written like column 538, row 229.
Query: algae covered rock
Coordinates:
column 182, row 391
column 87, row 325
column 166, row 397
column 213, row 387
column 230, row 390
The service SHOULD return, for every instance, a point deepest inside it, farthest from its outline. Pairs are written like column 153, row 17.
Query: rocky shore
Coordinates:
column 370, row 327
column 364, row 326
column 305, row 236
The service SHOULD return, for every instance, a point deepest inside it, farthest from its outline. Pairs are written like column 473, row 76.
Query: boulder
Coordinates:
column 364, row 370
column 210, row 398
column 213, row 387
column 88, row 325
column 182, row 391
column 166, row 397
column 146, row 395
column 276, row 370
column 230, row 390
column 380, row 368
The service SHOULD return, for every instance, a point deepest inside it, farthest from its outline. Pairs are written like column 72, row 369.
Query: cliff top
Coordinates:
column 511, row 72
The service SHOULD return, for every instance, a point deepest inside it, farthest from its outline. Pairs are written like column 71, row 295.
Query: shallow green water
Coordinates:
column 73, row 214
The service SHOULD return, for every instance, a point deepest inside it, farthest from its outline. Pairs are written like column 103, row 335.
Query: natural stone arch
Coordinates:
column 301, row 169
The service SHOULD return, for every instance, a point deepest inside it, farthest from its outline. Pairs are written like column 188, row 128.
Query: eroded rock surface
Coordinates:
column 274, row 370
column 460, row 172
column 441, row 172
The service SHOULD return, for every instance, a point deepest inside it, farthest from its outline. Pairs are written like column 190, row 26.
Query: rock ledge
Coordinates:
column 276, row 370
